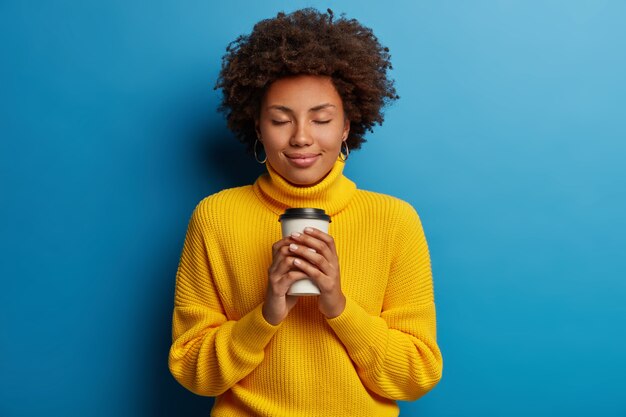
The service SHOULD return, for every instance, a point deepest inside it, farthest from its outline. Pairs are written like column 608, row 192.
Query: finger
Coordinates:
column 312, row 242
column 309, row 254
column 286, row 281
column 285, row 241
column 293, row 276
column 279, row 285
column 278, row 265
column 318, row 234
column 281, row 254
column 308, row 269
column 329, row 255
column 281, row 267
column 326, row 283
column 315, row 238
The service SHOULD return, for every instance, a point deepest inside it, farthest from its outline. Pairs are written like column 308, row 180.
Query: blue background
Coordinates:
column 509, row 139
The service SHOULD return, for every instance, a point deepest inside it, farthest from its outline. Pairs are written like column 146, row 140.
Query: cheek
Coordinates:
column 270, row 148
column 273, row 138
column 273, row 147
column 332, row 139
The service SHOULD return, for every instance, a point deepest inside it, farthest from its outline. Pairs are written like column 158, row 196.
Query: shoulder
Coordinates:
column 385, row 203
column 399, row 220
column 226, row 197
column 223, row 203
column 398, row 214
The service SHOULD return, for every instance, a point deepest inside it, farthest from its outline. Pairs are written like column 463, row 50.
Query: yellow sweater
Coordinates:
column 382, row 347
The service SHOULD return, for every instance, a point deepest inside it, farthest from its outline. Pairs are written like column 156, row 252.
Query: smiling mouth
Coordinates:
column 302, row 160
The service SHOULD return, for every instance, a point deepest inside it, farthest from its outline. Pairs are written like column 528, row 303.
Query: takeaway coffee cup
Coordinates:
column 295, row 220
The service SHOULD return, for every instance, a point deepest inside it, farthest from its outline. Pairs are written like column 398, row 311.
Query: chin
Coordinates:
column 303, row 180
column 300, row 182
column 302, row 177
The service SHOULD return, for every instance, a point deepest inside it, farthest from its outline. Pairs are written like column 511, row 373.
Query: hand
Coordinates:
column 316, row 257
column 281, row 275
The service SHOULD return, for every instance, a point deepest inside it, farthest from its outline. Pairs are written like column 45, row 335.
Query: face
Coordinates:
column 301, row 125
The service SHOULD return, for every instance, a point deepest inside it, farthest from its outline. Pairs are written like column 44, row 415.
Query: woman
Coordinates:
column 305, row 88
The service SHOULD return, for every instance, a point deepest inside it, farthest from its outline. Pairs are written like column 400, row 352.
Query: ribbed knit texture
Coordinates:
column 382, row 347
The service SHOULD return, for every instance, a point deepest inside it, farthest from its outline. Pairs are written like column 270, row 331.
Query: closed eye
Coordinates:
column 279, row 122
column 322, row 122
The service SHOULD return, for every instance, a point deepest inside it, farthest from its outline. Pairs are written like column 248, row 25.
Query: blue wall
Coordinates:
column 509, row 139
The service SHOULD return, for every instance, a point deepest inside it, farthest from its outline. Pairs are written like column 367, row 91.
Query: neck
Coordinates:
column 332, row 193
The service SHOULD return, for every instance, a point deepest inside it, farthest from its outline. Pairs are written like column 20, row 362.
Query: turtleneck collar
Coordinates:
column 332, row 193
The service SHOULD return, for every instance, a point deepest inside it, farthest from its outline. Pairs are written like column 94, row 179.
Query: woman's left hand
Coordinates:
column 316, row 256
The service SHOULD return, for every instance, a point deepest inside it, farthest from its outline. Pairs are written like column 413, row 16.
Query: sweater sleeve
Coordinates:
column 209, row 354
column 396, row 353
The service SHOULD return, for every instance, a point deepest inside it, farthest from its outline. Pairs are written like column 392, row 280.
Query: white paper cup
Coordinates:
column 295, row 220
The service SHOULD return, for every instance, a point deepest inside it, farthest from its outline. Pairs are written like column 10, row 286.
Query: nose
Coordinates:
column 301, row 136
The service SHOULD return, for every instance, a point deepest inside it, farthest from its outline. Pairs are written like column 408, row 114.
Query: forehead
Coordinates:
column 302, row 91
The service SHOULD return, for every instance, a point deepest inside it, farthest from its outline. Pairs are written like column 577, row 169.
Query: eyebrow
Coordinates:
column 312, row 109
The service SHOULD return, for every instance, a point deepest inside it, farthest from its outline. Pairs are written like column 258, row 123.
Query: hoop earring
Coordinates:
column 342, row 156
column 256, row 157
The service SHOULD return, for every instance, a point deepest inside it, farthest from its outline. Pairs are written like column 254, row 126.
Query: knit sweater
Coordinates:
column 380, row 349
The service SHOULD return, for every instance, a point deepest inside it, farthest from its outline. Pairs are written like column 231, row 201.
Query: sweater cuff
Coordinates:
column 358, row 330
column 252, row 332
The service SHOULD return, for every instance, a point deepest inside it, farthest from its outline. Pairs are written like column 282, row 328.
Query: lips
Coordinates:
column 302, row 160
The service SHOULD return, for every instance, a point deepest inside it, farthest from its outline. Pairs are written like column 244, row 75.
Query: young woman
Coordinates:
column 302, row 89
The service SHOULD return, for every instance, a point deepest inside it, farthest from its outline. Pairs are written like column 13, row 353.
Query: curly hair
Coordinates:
column 312, row 43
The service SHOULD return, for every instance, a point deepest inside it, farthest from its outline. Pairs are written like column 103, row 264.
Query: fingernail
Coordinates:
column 308, row 229
column 295, row 234
column 296, row 262
column 293, row 247
column 312, row 250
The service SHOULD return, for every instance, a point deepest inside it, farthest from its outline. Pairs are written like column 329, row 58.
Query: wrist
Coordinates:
column 336, row 308
column 269, row 317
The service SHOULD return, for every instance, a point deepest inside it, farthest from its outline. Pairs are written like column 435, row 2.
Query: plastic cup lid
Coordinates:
column 304, row 213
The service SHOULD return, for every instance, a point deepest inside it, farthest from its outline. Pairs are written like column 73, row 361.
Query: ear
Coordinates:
column 346, row 128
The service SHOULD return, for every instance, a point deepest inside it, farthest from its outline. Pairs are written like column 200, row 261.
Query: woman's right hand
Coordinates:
column 282, row 274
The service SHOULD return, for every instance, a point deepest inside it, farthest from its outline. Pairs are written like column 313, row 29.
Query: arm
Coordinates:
column 209, row 353
column 396, row 354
